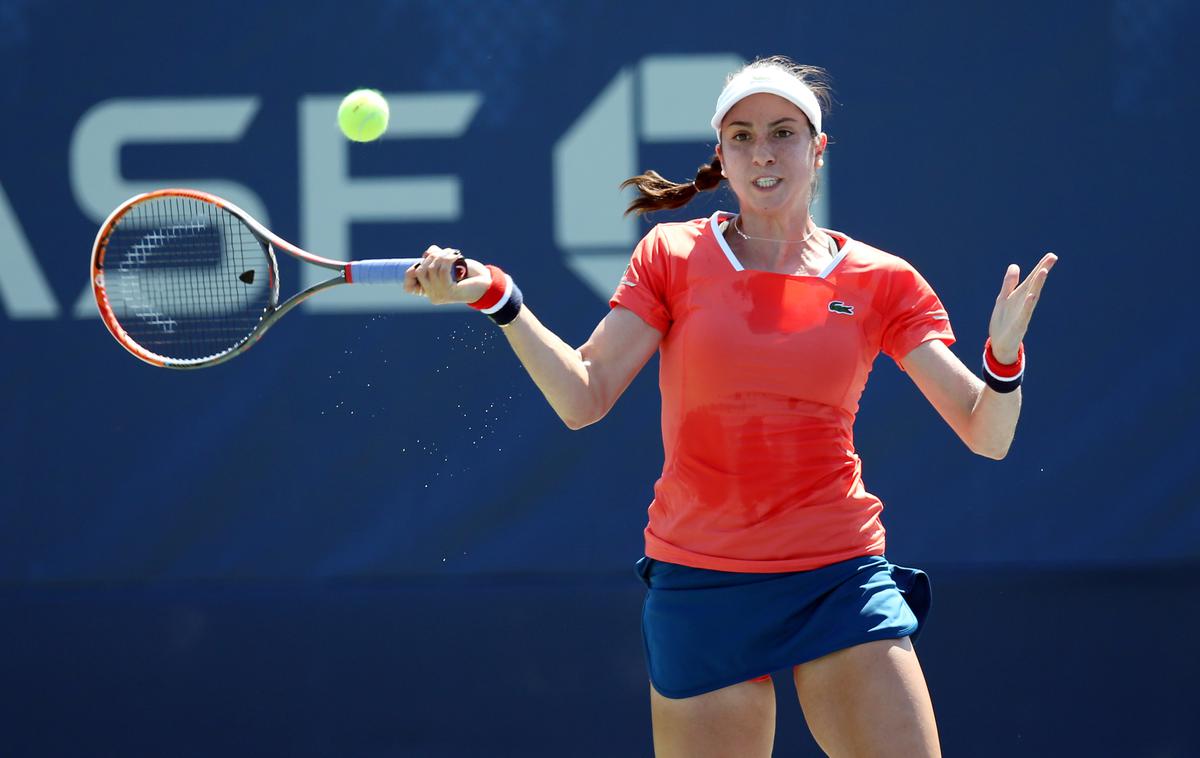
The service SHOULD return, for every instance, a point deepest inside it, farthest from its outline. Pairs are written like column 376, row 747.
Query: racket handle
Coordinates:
column 391, row 270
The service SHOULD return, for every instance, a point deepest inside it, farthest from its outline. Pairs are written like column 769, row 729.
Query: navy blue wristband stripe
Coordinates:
column 1002, row 386
column 511, row 307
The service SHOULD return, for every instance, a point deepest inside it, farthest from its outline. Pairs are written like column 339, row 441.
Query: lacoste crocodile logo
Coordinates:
column 837, row 306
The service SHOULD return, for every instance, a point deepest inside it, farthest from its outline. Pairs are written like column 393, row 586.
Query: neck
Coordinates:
column 780, row 230
column 807, row 251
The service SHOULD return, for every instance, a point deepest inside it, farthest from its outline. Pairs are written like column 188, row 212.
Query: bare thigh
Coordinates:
column 869, row 700
column 732, row 722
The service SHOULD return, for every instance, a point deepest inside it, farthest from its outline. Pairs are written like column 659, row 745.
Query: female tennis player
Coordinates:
column 764, row 550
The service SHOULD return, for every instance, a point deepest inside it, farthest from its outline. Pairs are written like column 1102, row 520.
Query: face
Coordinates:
column 769, row 155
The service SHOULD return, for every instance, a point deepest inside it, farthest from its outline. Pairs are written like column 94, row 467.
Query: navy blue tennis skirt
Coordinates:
column 706, row 629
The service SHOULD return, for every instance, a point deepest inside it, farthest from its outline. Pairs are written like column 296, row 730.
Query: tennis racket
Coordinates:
column 184, row 279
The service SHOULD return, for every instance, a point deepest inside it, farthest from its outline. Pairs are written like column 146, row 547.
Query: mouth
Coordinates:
column 766, row 182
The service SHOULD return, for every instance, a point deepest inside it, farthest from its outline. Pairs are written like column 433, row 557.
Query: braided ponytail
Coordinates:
column 656, row 193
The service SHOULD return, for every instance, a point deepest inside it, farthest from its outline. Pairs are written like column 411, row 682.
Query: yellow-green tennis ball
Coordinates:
column 363, row 115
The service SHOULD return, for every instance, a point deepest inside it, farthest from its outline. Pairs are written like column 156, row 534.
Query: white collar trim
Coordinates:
column 714, row 225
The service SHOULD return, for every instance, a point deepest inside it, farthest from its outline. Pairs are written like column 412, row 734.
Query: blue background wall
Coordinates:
column 371, row 536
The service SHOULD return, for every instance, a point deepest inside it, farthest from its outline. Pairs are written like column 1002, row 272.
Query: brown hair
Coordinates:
column 656, row 193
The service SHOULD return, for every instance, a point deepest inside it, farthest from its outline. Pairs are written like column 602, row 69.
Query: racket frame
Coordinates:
column 268, row 239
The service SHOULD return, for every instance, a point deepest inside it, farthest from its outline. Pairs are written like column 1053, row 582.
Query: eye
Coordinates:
column 740, row 136
column 784, row 133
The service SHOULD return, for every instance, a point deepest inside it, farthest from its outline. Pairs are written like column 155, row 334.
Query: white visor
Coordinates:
column 771, row 80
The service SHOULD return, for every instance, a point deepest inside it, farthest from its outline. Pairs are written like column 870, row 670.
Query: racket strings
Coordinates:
column 186, row 279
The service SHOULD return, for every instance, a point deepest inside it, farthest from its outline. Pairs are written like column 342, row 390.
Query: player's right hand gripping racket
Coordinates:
column 184, row 279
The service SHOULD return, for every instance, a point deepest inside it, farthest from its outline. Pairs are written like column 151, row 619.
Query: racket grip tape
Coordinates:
column 391, row 270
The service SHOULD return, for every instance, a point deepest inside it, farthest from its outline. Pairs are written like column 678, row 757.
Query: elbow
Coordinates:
column 577, row 421
column 995, row 453
column 575, row 424
column 585, row 409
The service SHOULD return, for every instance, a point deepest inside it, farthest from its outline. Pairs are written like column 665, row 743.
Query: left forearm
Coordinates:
column 993, row 422
column 985, row 420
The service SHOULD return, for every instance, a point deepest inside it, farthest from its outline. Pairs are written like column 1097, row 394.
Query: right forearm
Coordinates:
column 557, row 368
column 580, row 391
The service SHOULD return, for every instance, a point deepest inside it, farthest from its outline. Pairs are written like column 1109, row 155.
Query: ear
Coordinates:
column 822, row 143
column 721, row 155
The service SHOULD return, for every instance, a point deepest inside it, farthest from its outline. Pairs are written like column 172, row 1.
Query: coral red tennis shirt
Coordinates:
column 760, row 376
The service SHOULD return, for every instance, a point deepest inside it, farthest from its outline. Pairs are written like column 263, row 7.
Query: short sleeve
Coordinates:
column 643, row 286
column 914, row 315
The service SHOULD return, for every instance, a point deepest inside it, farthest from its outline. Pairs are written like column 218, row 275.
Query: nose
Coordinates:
column 762, row 155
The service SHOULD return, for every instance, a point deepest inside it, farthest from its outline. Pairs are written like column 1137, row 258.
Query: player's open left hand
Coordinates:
column 433, row 277
column 1014, row 307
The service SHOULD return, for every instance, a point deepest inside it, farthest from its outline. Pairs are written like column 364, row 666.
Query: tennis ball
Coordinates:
column 363, row 115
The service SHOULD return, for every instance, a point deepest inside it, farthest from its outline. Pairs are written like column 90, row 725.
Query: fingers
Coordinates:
column 1037, row 280
column 411, row 284
column 1011, row 276
column 1015, row 305
column 433, row 276
column 428, row 279
column 1043, row 272
column 1033, row 283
